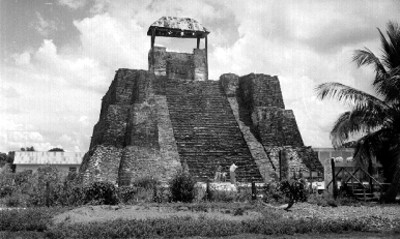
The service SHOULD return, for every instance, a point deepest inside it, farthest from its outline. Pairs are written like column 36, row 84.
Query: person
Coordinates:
column 218, row 174
column 185, row 167
column 232, row 173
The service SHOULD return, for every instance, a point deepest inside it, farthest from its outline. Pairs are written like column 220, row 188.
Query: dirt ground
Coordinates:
column 300, row 210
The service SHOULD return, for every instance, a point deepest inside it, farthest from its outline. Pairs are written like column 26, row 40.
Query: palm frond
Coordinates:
column 347, row 94
column 389, row 88
column 389, row 52
column 359, row 120
column 393, row 32
column 367, row 57
column 373, row 144
column 342, row 129
column 392, row 45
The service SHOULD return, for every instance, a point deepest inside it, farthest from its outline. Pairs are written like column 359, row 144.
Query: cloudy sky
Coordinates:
column 59, row 57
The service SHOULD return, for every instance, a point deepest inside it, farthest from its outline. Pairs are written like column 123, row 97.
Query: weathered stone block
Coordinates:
column 101, row 163
column 138, row 162
column 174, row 65
column 230, row 84
column 261, row 90
column 200, row 65
column 142, row 126
column 111, row 129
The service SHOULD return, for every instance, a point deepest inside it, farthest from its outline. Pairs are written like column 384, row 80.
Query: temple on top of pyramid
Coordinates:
column 173, row 64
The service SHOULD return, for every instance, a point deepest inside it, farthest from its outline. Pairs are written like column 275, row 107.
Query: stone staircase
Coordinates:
column 206, row 131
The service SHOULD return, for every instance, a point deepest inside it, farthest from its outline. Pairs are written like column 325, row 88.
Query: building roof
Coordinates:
column 48, row 158
column 178, row 27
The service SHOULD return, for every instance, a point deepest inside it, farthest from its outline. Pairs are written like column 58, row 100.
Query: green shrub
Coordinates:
column 16, row 199
column 182, row 187
column 271, row 194
column 294, row 191
column 162, row 194
column 7, row 185
column 145, row 182
column 126, row 194
column 36, row 219
column 100, row 193
column 71, row 193
column 45, row 187
column 6, row 190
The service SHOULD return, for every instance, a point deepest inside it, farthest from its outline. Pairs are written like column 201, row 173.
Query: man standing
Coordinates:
column 218, row 174
column 232, row 173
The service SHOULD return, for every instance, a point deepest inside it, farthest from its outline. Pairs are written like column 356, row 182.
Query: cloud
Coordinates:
column 126, row 45
column 48, row 89
column 22, row 59
column 16, row 136
column 44, row 27
column 9, row 92
column 74, row 4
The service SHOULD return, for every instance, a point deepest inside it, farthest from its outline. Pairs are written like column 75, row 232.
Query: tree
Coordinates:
column 377, row 118
column 28, row 149
column 56, row 150
column 3, row 159
column 294, row 190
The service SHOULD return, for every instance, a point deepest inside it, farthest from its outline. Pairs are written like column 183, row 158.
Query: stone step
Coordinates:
column 206, row 131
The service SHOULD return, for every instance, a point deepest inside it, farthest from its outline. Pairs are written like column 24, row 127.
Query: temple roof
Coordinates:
column 178, row 27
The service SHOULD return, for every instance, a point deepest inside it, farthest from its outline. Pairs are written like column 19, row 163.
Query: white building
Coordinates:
column 64, row 161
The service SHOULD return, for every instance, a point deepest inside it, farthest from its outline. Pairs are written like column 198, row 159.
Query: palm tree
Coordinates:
column 377, row 118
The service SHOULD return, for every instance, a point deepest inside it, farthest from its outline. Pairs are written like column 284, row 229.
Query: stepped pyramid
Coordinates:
column 153, row 121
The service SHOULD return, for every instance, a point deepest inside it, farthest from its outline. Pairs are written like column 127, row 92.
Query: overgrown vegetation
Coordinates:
column 59, row 191
column 187, row 226
column 39, row 220
column 99, row 193
column 294, row 191
column 31, row 219
column 182, row 187
column 46, row 187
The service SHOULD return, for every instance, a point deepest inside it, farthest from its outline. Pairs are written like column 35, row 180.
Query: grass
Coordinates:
column 36, row 223
column 187, row 227
column 31, row 219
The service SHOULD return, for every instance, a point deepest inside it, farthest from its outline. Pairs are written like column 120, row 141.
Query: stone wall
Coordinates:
column 268, row 128
column 261, row 108
column 276, row 127
column 267, row 170
column 132, row 137
column 261, row 90
column 101, row 163
column 200, row 65
column 230, row 84
column 175, row 65
column 142, row 125
column 294, row 159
